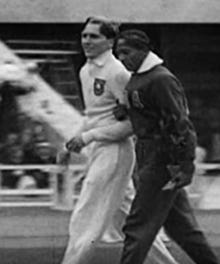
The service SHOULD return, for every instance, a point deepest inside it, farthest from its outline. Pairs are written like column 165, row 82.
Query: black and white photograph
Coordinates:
column 109, row 132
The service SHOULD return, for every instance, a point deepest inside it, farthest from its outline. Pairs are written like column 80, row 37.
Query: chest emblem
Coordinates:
column 99, row 86
column 135, row 99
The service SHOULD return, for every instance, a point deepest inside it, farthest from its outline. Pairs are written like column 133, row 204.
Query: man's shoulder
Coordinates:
column 84, row 66
column 160, row 71
column 115, row 63
column 156, row 78
column 160, row 74
column 156, row 73
column 118, row 69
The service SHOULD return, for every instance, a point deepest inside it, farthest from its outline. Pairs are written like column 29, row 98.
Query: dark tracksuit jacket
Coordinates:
column 165, row 136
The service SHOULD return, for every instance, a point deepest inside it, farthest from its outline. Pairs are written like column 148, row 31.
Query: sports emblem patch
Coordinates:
column 99, row 86
column 135, row 98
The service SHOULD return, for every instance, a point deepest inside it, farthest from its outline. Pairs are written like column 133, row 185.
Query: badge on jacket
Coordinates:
column 135, row 98
column 99, row 86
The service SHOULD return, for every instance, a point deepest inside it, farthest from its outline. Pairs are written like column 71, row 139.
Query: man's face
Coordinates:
column 129, row 56
column 93, row 42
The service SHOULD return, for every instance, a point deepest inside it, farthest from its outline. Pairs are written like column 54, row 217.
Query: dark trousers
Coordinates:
column 153, row 208
column 182, row 227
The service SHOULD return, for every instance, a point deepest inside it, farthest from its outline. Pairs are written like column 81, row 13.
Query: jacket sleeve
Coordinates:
column 177, row 130
column 114, row 132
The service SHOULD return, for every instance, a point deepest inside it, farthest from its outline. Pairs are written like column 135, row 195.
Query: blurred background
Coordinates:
column 34, row 226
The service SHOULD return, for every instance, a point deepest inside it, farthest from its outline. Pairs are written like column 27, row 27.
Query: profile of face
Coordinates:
column 94, row 43
column 128, row 55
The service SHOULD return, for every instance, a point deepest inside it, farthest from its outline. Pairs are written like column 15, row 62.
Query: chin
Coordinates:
column 89, row 55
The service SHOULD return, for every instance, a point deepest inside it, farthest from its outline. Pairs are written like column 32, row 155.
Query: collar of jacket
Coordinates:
column 101, row 59
column 150, row 62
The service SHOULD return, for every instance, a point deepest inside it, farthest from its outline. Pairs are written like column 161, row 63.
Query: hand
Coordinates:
column 182, row 179
column 120, row 111
column 75, row 144
column 179, row 177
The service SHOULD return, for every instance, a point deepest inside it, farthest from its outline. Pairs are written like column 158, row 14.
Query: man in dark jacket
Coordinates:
column 166, row 143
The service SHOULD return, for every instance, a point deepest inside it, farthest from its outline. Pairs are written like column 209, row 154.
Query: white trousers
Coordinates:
column 109, row 170
column 104, row 193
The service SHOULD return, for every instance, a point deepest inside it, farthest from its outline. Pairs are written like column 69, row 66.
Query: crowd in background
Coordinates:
column 26, row 143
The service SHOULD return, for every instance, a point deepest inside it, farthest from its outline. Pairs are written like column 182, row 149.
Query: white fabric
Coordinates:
column 110, row 164
column 110, row 169
column 150, row 61
column 100, row 123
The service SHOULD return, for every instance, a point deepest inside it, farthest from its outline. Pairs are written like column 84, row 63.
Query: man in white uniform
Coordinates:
column 108, row 142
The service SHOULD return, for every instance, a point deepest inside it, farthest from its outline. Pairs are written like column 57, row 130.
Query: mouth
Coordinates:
column 87, row 48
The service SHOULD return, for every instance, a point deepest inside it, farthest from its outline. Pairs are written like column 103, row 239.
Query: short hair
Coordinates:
column 135, row 38
column 108, row 28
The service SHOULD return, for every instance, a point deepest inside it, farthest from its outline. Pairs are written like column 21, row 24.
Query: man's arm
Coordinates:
column 120, row 129
column 115, row 132
column 177, row 129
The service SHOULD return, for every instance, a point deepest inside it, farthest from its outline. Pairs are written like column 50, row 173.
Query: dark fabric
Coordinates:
column 165, row 136
column 182, row 227
column 159, row 107
column 174, row 212
column 149, row 210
